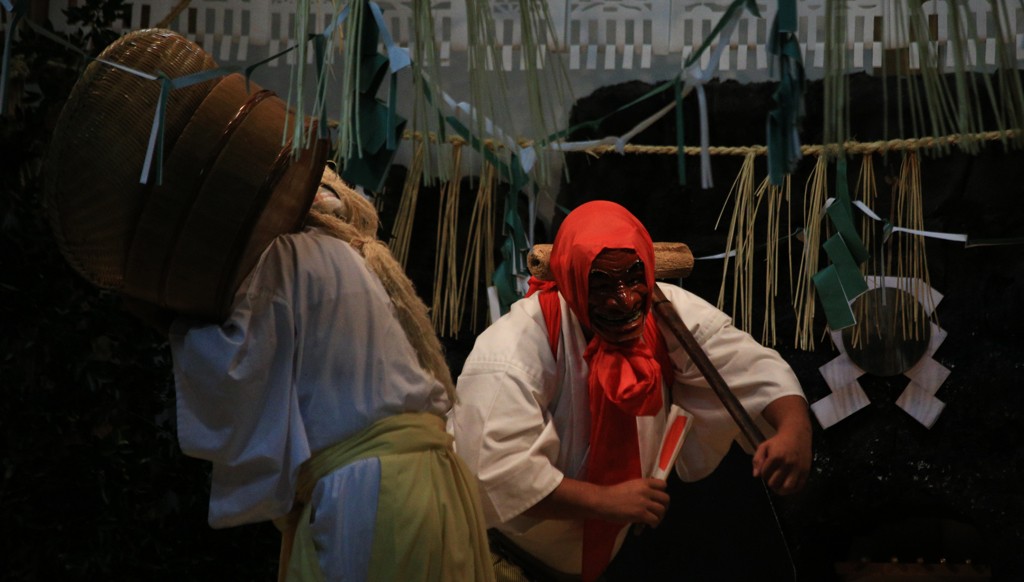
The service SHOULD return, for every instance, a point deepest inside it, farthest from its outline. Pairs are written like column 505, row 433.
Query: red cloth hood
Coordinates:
column 588, row 230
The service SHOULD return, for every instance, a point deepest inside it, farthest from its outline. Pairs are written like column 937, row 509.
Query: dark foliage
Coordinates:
column 94, row 485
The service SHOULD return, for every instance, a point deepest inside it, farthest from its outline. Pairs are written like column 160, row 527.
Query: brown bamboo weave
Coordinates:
column 230, row 187
column 92, row 191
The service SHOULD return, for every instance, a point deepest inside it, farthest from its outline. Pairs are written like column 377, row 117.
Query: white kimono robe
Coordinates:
column 311, row 355
column 523, row 422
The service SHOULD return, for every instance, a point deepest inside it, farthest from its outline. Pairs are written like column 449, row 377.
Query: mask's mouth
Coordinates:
column 613, row 321
column 618, row 327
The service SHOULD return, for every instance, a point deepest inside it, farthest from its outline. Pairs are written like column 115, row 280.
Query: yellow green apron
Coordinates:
column 429, row 524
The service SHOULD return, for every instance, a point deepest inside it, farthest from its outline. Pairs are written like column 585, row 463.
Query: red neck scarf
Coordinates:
column 625, row 378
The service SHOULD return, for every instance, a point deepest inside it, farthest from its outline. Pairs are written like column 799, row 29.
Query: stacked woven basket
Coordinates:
column 229, row 186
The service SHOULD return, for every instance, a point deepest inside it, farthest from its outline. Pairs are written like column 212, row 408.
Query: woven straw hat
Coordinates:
column 229, row 187
column 92, row 188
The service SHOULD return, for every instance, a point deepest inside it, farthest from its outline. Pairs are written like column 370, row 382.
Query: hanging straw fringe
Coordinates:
column 407, row 208
column 445, row 314
column 911, row 258
column 481, row 244
column 866, row 191
column 426, row 67
column 354, row 221
column 741, row 235
column 771, row 287
column 815, row 194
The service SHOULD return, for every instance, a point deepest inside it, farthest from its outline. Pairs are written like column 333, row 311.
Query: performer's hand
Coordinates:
column 635, row 501
column 784, row 460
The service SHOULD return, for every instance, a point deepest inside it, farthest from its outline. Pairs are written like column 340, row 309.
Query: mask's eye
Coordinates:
column 600, row 282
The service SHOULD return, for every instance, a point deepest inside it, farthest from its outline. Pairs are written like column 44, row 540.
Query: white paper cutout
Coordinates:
column 927, row 375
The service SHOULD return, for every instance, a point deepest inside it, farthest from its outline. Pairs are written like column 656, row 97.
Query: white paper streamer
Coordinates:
column 918, row 403
column 840, row 404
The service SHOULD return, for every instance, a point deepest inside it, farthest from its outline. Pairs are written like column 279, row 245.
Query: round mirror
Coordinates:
column 892, row 332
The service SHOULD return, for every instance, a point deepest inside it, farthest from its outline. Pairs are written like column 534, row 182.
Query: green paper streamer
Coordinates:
column 786, row 16
column 249, row 70
column 842, row 219
column 784, row 118
column 378, row 126
column 693, row 58
column 392, row 111
column 833, row 299
column 849, row 274
column 841, row 214
column 320, row 48
column 504, row 281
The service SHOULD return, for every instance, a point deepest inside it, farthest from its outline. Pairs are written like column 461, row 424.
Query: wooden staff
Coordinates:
column 673, row 260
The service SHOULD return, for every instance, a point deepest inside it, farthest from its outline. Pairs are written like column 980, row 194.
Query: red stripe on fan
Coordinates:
column 674, row 432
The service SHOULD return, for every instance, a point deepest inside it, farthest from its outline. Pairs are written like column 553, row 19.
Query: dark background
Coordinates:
column 95, row 487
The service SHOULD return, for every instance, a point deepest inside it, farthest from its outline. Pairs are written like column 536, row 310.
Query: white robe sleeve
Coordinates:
column 502, row 427
column 756, row 375
column 238, row 405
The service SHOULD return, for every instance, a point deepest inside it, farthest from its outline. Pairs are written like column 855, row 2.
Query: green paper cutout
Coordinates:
column 371, row 73
column 833, row 299
column 320, row 47
column 252, row 68
column 370, row 170
column 849, row 274
column 373, row 123
column 504, row 281
column 693, row 58
column 392, row 111
column 379, row 126
column 786, row 16
column 785, row 116
column 842, row 182
column 842, row 219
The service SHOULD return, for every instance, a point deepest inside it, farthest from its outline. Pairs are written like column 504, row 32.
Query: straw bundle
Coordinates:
column 354, row 220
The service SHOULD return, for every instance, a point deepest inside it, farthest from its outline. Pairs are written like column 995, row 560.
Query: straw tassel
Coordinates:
column 445, row 314
column 480, row 248
column 740, row 237
column 815, row 193
column 407, row 207
column 911, row 257
column 866, row 191
column 775, row 196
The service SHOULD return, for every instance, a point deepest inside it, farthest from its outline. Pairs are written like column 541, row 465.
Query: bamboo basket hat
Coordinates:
column 229, row 187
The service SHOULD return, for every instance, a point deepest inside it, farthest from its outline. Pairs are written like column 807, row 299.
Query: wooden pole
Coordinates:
column 671, row 261
column 668, row 314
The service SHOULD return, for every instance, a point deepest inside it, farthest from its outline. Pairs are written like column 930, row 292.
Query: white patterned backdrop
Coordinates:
column 606, row 35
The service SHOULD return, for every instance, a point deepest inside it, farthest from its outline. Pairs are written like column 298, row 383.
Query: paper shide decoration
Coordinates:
column 926, row 374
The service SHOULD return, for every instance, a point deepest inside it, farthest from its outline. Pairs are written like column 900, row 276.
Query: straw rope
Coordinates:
column 354, row 220
column 850, row 147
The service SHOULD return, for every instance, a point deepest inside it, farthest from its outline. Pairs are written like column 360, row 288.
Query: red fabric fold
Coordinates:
column 625, row 378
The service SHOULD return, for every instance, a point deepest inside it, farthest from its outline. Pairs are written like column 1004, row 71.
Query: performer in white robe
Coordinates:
column 523, row 421
column 311, row 357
